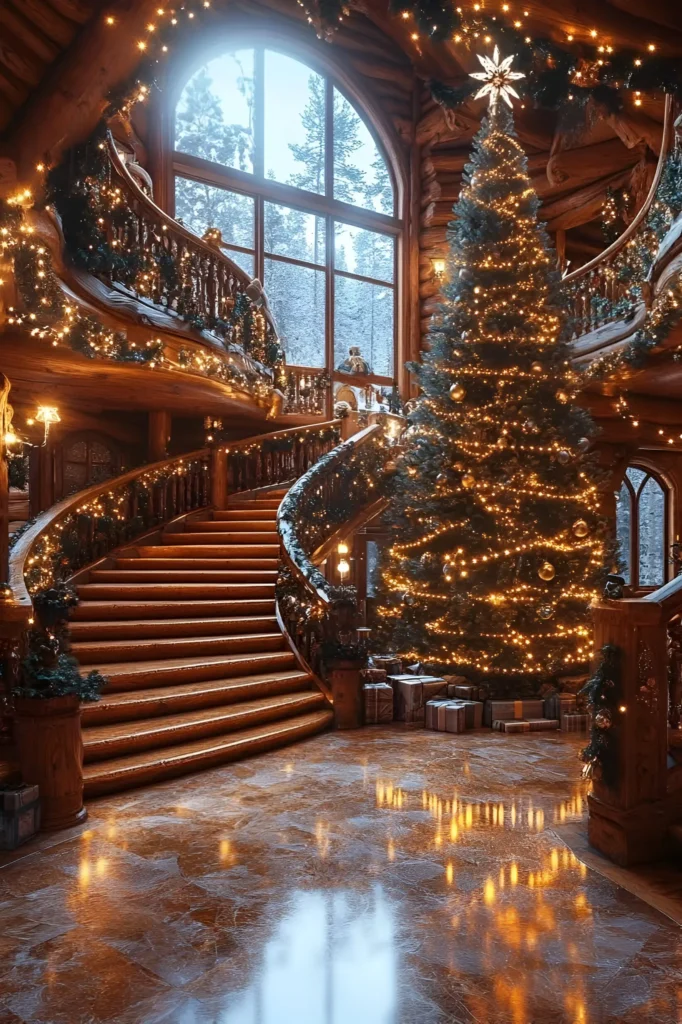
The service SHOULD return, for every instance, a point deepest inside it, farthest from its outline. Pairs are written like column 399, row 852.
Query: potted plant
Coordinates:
column 47, row 701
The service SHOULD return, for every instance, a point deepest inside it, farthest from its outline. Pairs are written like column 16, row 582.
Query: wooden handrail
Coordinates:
column 634, row 226
column 248, row 442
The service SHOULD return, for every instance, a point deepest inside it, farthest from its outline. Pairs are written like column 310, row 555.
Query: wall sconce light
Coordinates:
column 47, row 415
column 438, row 267
column 343, row 566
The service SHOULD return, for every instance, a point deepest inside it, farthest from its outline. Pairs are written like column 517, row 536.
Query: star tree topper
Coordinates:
column 498, row 78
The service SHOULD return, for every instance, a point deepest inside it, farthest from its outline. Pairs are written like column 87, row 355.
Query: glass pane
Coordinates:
column 651, row 512
column 363, row 252
column 242, row 259
column 297, row 299
column 372, row 567
column 623, row 528
column 200, row 206
column 293, row 233
column 214, row 117
column 360, row 173
column 635, row 476
column 294, row 123
column 363, row 318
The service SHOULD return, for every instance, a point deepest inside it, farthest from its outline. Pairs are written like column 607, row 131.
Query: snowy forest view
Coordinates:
column 640, row 505
column 264, row 113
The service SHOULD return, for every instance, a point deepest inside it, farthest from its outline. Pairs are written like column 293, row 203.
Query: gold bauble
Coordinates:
column 536, row 367
column 468, row 480
column 502, row 441
column 580, row 528
column 391, row 467
column 457, row 392
column 546, row 572
column 561, row 396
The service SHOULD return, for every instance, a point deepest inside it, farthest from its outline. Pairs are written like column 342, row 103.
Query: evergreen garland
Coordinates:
column 603, row 693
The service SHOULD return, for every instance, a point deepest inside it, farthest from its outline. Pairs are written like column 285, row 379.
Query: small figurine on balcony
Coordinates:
column 355, row 363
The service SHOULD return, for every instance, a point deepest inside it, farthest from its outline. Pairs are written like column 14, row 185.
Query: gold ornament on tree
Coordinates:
column 457, row 392
column 546, row 572
column 580, row 528
column 468, row 480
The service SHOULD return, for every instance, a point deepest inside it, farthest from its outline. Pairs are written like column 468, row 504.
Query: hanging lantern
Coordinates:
column 546, row 572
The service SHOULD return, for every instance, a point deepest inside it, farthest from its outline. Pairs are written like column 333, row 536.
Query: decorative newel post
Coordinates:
column 629, row 808
column 344, row 658
column 218, row 478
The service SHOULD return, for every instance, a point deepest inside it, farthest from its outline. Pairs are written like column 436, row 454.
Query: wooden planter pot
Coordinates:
column 50, row 747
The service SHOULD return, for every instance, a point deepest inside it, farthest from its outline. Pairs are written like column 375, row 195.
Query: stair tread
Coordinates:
column 98, row 733
column 112, row 669
column 188, row 755
column 164, row 562
column 139, row 626
column 181, row 575
column 227, row 537
column 164, row 643
column 127, row 697
column 202, row 608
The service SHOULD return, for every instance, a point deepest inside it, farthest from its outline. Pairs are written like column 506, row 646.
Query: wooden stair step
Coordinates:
column 131, row 705
column 206, row 545
column 227, row 538
column 197, row 563
column 146, row 629
column 237, row 515
column 93, row 652
column 111, row 741
column 186, row 575
column 269, row 504
column 168, row 762
column 130, row 675
column 236, row 528
column 125, row 611
column 172, row 591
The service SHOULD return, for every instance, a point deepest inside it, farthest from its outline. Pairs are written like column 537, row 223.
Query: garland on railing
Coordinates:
column 61, row 550
column 92, row 208
column 603, row 694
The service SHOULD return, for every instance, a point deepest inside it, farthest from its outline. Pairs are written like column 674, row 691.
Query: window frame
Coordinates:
column 649, row 473
column 261, row 189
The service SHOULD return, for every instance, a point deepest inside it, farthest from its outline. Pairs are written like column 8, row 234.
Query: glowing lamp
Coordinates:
column 438, row 267
column 343, row 568
column 342, row 548
column 47, row 415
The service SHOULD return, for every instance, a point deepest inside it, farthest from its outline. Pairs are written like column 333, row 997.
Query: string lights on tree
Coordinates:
column 498, row 541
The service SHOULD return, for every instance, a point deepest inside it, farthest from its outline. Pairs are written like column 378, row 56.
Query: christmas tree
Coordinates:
column 498, row 543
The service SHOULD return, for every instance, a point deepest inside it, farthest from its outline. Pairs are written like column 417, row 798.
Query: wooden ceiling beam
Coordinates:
column 581, row 206
column 558, row 18
column 79, row 11
column 30, row 36
column 45, row 18
column 21, row 63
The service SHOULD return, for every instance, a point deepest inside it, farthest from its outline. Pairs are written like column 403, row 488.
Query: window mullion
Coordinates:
column 330, row 292
column 259, row 114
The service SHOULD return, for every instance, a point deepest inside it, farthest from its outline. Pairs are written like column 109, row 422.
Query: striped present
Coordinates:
column 543, row 724
column 511, row 725
column 455, row 716
column 431, row 710
column 378, row 703
column 578, row 722
column 503, row 710
column 560, row 704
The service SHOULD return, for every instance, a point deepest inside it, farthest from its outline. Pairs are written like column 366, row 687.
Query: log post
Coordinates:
column 158, row 434
column 5, row 420
column 218, row 478
column 346, row 686
column 629, row 822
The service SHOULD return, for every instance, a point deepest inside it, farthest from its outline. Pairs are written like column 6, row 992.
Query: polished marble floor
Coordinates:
column 380, row 877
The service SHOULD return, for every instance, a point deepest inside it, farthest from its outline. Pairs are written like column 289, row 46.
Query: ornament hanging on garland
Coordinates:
column 536, row 367
column 603, row 694
column 564, row 457
column 547, row 572
column 545, row 611
column 457, row 392
column 468, row 480
column 580, row 528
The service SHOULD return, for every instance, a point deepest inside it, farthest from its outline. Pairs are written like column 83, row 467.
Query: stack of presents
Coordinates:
column 453, row 704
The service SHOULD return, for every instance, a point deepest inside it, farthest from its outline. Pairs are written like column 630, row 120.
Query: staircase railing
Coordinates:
column 89, row 525
column 603, row 290
column 338, row 493
column 629, row 817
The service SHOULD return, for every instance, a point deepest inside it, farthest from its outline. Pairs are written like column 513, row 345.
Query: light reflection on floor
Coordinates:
column 383, row 877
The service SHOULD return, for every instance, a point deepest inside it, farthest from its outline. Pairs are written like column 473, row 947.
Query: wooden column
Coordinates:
column 158, row 435
column 629, row 823
column 346, row 686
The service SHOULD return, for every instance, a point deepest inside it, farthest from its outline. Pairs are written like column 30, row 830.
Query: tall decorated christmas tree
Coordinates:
column 498, row 543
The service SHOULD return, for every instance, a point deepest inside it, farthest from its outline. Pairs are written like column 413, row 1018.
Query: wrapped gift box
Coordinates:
column 455, row 717
column 411, row 694
column 511, row 725
column 543, row 724
column 389, row 662
column 505, row 710
column 378, row 703
column 373, row 675
column 578, row 722
column 474, row 713
column 560, row 704
column 19, row 815
column 431, row 709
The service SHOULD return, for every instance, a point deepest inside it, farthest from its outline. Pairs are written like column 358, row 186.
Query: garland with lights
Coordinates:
column 498, row 542
column 603, row 695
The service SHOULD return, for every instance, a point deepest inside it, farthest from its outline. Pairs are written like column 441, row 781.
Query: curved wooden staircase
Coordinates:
column 199, row 671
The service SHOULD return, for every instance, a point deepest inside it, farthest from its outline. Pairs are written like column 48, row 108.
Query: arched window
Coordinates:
column 642, row 528
column 272, row 153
